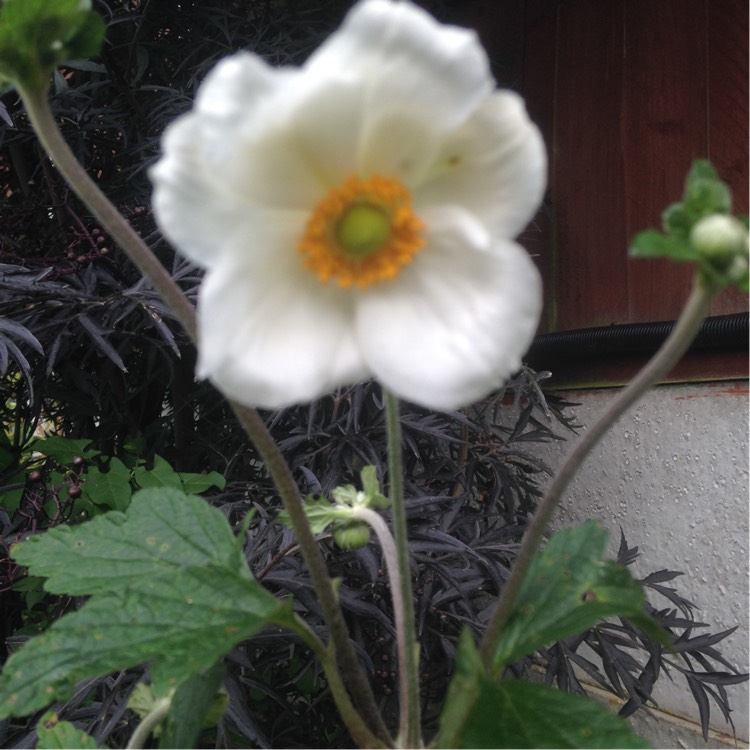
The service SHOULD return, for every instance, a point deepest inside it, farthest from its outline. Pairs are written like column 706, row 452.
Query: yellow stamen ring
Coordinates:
column 362, row 233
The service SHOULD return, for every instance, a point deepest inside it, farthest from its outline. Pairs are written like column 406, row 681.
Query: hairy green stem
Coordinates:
column 359, row 731
column 661, row 363
column 282, row 477
column 388, row 545
column 150, row 721
column 410, row 734
column 110, row 218
column 120, row 230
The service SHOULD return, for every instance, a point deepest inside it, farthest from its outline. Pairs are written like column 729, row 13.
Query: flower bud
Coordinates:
column 352, row 535
column 720, row 238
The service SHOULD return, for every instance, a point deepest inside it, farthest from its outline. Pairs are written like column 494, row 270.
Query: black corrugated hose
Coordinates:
column 719, row 332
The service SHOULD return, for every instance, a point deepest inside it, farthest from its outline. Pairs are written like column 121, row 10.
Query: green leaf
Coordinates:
column 705, row 193
column 198, row 703
column 161, row 475
column 64, row 450
column 54, row 734
column 37, row 35
column 169, row 584
column 163, row 531
column 480, row 713
column 194, row 484
column 568, row 589
column 110, row 488
column 653, row 244
column 10, row 499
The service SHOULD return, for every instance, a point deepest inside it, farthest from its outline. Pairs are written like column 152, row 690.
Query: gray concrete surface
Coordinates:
column 673, row 473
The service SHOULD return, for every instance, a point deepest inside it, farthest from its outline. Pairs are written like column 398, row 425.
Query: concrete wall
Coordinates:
column 673, row 473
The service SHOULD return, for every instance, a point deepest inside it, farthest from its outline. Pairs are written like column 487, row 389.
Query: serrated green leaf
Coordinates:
column 174, row 590
column 54, row 734
column 64, row 450
column 569, row 588
column 162, row 532
column 161, row 475
column 194, row 484
column 519, row 714
column 110, row 488
column 482, row 713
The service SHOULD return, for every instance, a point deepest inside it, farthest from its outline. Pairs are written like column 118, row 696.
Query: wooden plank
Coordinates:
column 728, row 136
column 664, row 126
column 588, row 180
column 538, row 86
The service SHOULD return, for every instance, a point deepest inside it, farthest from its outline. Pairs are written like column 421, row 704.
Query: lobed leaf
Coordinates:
column 168, row 585
column 481, row 713
column 570, row 587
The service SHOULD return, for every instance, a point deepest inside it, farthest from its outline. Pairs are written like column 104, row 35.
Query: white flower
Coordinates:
column 356, row 215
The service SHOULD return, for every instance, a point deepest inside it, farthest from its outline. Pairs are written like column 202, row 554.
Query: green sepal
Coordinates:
column 320, row 513
column 37, row 35
column 654, row 244
column 705, row 193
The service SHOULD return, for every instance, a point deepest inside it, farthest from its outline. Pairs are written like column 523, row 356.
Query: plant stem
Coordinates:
column 410, row 734
column 148, row 723
column 113, row 222
column 308, row 544
column 327, row 657
column 659, row 365
column 110, row 218
column 388, row 545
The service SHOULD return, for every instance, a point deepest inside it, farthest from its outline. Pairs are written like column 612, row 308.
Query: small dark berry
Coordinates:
column 35, row 476
column 74, row 492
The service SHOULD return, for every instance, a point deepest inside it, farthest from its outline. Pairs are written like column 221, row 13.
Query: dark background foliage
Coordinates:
column 87, row 349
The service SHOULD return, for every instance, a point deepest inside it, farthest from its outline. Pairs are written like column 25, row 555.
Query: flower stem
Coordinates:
column 388, row 545
column 659, row 365
column 287, row 488
column 40, row 115
column 150, row 721
column 409, row 730
column 327, row 657
column 120, row 230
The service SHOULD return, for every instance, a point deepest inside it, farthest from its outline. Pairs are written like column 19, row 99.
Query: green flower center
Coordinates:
column 363, row 230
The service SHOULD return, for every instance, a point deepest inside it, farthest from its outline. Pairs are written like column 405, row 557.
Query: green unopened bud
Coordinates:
column 720, row 239
column 352, row 535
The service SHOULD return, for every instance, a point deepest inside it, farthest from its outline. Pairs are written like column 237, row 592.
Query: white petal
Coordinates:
column 246, row 112
column 455, row 324
column 407, row 62
column 192, row 210
column 270, row 335
column 494, row 166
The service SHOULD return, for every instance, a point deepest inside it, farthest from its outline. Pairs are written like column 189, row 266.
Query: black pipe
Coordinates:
column 719, row 332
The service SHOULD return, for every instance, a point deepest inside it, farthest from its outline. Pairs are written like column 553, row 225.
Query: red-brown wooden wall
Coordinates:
column 627, row 93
